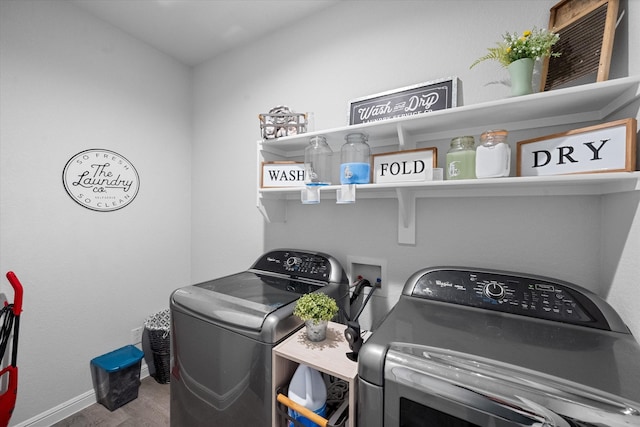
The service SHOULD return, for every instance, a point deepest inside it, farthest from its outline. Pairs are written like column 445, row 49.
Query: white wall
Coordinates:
column 360, row 48
column 71, row 83
column 318, row 65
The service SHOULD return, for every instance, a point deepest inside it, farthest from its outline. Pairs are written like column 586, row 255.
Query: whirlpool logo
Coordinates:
column 101, row 180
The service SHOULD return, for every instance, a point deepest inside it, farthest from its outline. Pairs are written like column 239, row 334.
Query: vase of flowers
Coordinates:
column 518, row 54
column 521, row 74
column 316, row 309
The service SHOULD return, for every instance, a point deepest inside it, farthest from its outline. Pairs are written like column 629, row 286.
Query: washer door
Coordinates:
column 240, row 302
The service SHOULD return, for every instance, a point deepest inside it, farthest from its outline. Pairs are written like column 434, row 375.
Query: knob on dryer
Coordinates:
column 494, row 291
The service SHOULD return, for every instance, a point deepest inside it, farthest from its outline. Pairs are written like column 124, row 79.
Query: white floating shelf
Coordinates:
column 586, row 103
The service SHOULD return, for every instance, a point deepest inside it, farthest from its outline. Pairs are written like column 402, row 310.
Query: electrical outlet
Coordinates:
column 136, row 335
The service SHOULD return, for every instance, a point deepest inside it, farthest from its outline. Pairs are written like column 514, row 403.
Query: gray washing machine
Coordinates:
column 223, row 332
column 469, row 347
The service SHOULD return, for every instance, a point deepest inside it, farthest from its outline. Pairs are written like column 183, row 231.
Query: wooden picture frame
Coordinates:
column 282, row 174
column 607, row 147
column 586, row 29
column 405, row 165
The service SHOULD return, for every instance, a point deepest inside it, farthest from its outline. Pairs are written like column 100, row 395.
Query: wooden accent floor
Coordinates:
column 149, row 409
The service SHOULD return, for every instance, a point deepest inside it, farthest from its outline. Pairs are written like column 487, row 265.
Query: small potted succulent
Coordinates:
column 316, row 309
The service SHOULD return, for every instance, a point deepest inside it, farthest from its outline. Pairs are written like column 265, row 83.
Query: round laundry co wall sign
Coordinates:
column 101, row 180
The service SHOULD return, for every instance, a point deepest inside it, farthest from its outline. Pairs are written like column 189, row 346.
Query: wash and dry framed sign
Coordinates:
column 608, row 147
column 407, row 101
column 282, row 174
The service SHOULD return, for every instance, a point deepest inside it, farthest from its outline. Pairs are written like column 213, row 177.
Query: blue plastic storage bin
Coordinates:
column 116, row 376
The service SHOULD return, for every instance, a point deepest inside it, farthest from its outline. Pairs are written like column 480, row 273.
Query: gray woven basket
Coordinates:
column 158, row 327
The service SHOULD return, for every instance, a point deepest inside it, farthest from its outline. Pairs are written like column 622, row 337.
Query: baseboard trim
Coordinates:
column 69, row 407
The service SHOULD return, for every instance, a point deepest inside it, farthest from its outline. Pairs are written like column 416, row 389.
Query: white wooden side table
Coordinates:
column 328, row 356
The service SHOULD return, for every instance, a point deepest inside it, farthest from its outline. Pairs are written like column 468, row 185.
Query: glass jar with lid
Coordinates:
column 355, row 163
column 461, row 158
column 493, row 155
column 317, row 161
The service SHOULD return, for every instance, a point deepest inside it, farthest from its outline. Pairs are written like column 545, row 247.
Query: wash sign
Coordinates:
column 282, row 174
column 610, row 147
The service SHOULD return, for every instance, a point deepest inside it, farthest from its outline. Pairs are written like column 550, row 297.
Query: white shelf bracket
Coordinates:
column 273, row 210
column 404, row 142
column 406, row 216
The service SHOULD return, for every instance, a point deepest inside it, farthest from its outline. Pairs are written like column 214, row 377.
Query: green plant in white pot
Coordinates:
column 316, row 309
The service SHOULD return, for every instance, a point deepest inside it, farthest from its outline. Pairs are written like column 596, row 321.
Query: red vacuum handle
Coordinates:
column 17, row 289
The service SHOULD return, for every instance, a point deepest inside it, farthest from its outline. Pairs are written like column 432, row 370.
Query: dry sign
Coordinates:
column 609, row 147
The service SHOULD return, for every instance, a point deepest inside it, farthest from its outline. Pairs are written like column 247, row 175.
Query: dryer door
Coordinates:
column 441, row 387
